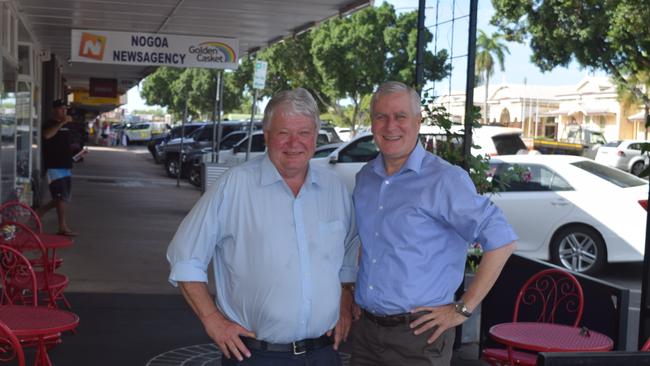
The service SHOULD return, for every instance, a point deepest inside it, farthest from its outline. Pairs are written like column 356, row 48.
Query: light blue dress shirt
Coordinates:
column 415, row 228
column 278, row 259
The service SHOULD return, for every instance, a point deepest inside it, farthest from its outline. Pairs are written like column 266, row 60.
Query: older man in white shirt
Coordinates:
column 281, row 237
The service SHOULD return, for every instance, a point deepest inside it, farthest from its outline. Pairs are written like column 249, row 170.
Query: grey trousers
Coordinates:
column 376, row 345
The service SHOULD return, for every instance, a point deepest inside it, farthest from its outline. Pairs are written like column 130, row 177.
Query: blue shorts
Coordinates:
column 61, row 189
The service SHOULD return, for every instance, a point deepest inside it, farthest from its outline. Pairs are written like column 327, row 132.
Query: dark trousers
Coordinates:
column 376, row 345
column 325, row 356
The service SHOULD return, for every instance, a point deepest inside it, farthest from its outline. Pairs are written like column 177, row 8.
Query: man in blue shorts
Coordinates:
column 58, row 163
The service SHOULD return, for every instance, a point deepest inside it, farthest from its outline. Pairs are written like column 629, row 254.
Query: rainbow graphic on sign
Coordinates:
column 224, row 48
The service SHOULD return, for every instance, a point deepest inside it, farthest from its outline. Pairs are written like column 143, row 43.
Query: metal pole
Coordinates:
column 180, row 151
column 644, row 311
column 469, row 85
column 250, row 125
column 215, row 114
column 419, row 56
column 219, row 127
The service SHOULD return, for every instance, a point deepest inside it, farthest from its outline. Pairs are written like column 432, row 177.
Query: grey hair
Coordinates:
column 299, row 101
column 392, row 87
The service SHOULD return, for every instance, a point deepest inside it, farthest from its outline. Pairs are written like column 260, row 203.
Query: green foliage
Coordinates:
column 173, row 87
column 608, row 35
column 339, row 62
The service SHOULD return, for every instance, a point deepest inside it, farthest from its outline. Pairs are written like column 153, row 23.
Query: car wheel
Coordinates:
column 195, row 176
column 171, row 167
column 579, row 248
column 637, row 168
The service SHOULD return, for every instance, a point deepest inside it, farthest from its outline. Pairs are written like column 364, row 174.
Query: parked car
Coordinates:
column 155, row 145
column 625, row 155
column 348, row 159
column 234, row 153
column 324, row 150
column 197, row 140
column 573, row 211
column 138, row 132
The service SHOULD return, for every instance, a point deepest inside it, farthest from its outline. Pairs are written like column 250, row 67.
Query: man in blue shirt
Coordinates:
column 281, row 239
column 416, row 215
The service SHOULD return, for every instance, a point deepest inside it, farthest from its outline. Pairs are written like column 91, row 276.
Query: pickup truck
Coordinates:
column 579, row 141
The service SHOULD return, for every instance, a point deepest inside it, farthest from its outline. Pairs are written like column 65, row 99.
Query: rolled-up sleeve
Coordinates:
column 193, row 245
column 473, row 216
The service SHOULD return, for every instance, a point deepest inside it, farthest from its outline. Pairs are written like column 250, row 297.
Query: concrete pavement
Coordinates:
column 126, row 211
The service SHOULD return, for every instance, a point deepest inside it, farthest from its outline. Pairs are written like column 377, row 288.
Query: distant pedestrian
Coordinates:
column 57, row 153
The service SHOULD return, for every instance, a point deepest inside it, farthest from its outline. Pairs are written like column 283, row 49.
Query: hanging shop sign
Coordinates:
column 149, row 49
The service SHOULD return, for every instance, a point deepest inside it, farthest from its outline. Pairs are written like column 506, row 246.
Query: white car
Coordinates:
column 573, row 211
column 348, row 159
column 625, row 155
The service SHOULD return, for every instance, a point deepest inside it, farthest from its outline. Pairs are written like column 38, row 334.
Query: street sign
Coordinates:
column 259, row 78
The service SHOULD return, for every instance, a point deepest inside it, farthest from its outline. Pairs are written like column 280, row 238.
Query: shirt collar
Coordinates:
column 269, row 173
column 414, row 161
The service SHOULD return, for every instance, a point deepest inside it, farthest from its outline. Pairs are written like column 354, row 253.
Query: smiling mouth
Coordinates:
column 392, row 138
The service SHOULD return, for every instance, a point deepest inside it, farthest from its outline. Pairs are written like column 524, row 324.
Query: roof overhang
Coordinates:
column 255, row 23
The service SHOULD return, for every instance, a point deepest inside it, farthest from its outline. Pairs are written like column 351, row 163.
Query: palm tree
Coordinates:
column 486, row 49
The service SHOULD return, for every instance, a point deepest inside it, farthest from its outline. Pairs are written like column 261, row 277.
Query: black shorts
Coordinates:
column 61, row 189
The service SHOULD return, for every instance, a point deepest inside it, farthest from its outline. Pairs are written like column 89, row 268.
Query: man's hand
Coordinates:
column 441, row 317
column 342, row 328
column 226, row 335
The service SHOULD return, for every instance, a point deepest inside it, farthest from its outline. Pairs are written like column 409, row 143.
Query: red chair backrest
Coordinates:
column 15, row 211
column 27, row 243
column 10, row 347
column 16, row 276
column 550, row 296
column 646, row 345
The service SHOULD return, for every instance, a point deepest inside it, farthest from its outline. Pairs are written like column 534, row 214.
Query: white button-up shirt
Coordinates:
column 278, row 259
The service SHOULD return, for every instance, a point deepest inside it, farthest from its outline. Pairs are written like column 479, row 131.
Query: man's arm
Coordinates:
column 445, row 317
column 51, row 130
column 224, row 332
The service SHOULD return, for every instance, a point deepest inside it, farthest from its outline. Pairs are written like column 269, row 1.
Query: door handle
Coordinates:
column 560, row 202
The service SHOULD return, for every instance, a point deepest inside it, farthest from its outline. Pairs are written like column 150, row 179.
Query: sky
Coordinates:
column 517, row 63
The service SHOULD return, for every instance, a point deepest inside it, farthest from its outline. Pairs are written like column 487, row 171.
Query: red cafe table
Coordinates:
column 29, row 322
column 548, row 337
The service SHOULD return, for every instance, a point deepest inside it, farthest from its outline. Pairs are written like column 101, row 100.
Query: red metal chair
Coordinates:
column 17, row 278
column 16, row 211
column 19, row 287
column 550, row 296
column 10, row 347
column 29, row 245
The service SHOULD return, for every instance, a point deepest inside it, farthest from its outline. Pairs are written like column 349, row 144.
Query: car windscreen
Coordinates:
column 189, row 129
column 229, row 141
column 612, row 175
column 508, row 144
column 614, row 143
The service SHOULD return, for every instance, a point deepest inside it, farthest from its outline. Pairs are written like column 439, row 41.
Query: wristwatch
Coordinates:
column 462, row 309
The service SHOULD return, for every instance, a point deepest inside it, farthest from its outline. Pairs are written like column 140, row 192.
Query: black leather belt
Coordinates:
column 391, row 320
column 297, row 348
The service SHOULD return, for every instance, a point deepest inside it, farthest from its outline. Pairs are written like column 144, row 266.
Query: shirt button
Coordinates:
column 376, row 233
column 387, row 182
column 381, row 207
column 370, row 287
column 374, row 261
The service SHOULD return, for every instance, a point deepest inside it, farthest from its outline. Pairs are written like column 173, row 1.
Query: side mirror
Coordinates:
column 334, row 158
column 236, row 149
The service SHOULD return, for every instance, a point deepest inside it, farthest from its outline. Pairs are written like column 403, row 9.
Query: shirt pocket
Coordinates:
column 331, row 239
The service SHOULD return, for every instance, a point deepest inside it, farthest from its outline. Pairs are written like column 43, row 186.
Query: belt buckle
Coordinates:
column 297, row 352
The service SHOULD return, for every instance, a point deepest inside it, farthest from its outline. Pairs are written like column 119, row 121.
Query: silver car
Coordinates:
column 625, row 155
